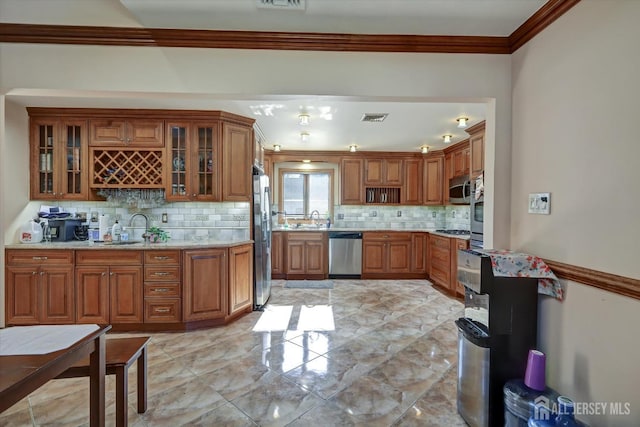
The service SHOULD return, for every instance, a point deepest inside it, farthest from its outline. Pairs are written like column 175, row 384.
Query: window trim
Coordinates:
column 281, row 173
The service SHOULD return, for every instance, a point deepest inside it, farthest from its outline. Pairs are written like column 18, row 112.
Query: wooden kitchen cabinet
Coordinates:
column 386, row 254
column 39, row 287
column 462, row 159
column 380, row 172
column 476, row 138
column 413, row 179
column 351, row 177
column 433, row 174
column 440, row 260
column 277, row 255
column 306, row 255
column 237, row 160
column 162, row 286
column 193, row 153
column 419, row 253
column 58, row 159
column 240, row 279
column 457, row 288
column 130, row 132
column 109, row 286
column 204, row 284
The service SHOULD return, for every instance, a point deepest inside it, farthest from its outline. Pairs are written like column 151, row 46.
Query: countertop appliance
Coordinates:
column 63, row 230
column 495, row 335
column 262, row 239
column 460, row 190
column 345, row 254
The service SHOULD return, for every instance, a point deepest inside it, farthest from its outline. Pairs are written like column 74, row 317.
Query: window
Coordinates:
column 306, row 191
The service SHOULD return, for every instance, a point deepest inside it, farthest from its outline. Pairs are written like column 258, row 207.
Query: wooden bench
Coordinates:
column 120, row 354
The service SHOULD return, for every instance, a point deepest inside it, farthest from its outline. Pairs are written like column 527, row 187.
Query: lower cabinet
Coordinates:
column 306, row 255
column 440, row 260
column 240, row 278
column 39, row 289
column 419, row 253
column 204, row 283
column 277, row 255
column 162, row 286
column 109, row 286
column 386, row 253
column 457, row 288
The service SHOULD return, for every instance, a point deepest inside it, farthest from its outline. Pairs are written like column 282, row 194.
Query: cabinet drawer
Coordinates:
column 305, row 236
column 161, row 257
column 440, row 242
column 161, row 273
column 109, row 257
column 39, row 257
column 386, row 235
column 162, row 310
column 161, row 290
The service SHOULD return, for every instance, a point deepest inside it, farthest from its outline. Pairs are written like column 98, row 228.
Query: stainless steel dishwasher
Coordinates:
column 345, row 254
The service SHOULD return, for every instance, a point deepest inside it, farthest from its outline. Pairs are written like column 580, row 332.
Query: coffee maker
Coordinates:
column 63, row 230
column 495, row 335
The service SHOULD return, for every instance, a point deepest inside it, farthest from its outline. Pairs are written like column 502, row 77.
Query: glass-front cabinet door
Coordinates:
column 193, row 153
column 58, row 159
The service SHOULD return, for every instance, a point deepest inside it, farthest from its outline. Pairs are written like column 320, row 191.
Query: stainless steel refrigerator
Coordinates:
column 262, row 239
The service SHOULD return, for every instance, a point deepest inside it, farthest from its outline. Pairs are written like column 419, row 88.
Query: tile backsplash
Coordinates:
column 401, row 217
column 185, row 220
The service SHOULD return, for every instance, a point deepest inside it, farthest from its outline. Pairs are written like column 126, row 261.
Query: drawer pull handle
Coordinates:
column 160, row 290
column 40, row 258
column 161, row 258
column 161, row 310
column 161, row 273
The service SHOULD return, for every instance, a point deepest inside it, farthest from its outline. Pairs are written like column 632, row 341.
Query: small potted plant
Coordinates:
column 157, row 235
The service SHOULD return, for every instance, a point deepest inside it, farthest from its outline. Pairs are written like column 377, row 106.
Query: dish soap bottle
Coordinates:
column 116, row 231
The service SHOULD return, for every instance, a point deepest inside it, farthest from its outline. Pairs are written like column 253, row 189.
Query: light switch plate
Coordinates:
column 539, row 203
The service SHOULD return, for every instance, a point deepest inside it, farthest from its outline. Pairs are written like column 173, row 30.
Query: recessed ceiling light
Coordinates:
column 353, row 148
column 304, row 136
column 276, row 147
column 447, row 138
column 424, row 149
column 303, row 119
column 462, row 122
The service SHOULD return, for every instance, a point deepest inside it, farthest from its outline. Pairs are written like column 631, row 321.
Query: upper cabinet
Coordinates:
column 383, row 172
column 351, row 182
column 413, row 179
column 193, row 152
column 461, row 159
column 58, row 159
column 237, row 157
column 433, row 187
column 476, row 138
column 192, row 155
column 126, row 133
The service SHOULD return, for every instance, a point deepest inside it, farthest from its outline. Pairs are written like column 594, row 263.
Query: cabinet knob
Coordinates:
column 42, row 273
column 104, row 274
column 111, row 274
column 193, row 195
column 33, row 273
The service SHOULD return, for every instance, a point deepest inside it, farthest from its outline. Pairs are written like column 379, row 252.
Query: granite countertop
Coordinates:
column 139, row 245
column 382, row 230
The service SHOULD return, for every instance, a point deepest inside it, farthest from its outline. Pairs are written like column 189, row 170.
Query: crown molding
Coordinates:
column 163, row 37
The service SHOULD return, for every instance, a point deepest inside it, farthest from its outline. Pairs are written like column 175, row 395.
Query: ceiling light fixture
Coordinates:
column 303, row 119
column 352, row 148
column 462, row 122
column 424, row 149
column 276, row 147
column 304, row 136
column 447, row 138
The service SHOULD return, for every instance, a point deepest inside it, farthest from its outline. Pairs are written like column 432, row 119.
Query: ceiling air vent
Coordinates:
column 281, row 4
column 374, row 117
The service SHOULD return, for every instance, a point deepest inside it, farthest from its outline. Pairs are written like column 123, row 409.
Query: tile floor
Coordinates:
column 368, row 352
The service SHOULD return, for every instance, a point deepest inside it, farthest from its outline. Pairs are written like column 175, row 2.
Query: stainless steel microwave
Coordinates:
column 460, row 190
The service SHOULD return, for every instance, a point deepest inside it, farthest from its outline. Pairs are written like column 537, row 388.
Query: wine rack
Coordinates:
column 126, row 169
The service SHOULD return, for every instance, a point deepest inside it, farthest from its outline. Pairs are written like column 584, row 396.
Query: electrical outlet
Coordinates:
column 373, row 213
column 239, row 218
column 340, row 216
column 433, row 214
column 453, row 214
column 399, row 214
column 165, row 218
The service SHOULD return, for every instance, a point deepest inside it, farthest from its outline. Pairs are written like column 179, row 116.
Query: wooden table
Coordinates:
column 21, row 375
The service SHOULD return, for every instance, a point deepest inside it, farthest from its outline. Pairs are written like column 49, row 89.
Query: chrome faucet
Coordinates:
column 145, row 235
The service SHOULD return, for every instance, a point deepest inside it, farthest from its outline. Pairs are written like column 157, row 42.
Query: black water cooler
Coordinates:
column 494, row 336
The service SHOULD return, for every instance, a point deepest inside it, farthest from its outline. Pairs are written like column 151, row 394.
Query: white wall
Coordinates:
column 575, row 134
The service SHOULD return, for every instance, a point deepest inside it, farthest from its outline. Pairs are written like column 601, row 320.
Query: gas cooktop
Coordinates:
column 455, row 232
